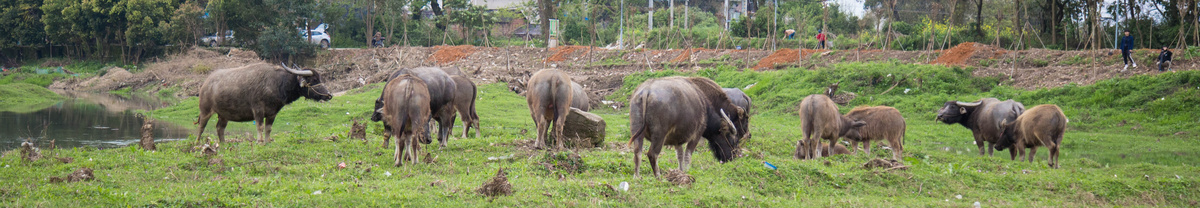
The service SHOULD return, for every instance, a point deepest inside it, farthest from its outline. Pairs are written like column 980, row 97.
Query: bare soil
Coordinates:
column 602, row 71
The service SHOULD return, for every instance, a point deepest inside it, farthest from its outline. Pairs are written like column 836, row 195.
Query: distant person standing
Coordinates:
column 1126, row 47
column 820, row 39
column 377, row 40
column 1164, row 59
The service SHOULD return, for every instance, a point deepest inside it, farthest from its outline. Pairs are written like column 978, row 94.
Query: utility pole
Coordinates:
column 621, row 34
column 651, row 19
column 775, row 26
column 671, row 5
column 726, row 12
column 685, row 13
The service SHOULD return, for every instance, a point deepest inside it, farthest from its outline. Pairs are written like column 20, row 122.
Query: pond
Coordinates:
column 86, row 119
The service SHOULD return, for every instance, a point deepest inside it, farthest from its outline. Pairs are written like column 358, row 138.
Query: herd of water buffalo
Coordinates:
column 674, row 111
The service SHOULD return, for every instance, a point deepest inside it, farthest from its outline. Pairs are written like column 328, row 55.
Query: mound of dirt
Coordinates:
column 678, row 177
column 562, row 53
column 82, row 174
column 785, row 55
column 447, row 54
column 686, row 55
column 887, row 164
column 957, row 55
column 497, row 186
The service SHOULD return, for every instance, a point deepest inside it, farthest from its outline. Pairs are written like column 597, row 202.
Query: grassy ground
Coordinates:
column 1103, row 164
column 23, row 97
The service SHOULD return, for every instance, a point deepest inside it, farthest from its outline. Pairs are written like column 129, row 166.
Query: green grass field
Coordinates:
column 1105, row 161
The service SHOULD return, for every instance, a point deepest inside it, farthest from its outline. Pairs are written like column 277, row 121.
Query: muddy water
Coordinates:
column 85, row 119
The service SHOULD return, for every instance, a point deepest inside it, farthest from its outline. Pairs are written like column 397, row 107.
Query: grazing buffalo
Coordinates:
column 255, row 93
column 838, row 149
column 549, row 100
column 464, row 101
column 1042, row 125
column 741, row 100
column 820, row 120
column 441, row 93
column 579, row 97
column 883, row 123
column 982, row 117
column 680, row 110
column 406, row 110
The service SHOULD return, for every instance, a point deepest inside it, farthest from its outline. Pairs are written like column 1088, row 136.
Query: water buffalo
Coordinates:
column 441, row 93
column 406, row 109
column 741, row 100
column 838, row 149
column 464, row 101
column 1042, row 125
column 255, row 92
column 579, row 97
column 549, row 100
column 982, row 117
column 883, row 123
column 820, row 120
column 680, row 110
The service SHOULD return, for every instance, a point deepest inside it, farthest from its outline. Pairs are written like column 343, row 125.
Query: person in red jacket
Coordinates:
column 821, row 39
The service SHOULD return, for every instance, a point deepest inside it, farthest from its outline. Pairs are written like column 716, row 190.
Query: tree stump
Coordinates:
column 583, row 129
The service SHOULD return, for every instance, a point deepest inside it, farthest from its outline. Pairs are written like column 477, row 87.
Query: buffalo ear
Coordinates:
column 857, row 124
column 962, row 110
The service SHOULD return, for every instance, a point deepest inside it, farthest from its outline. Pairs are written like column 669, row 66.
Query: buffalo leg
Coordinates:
column 398, row 152
column 475, row 122
column 203, row 121
column 1053, row 157
column 221, row 123
column 387, row 134
column 637, row 154
column 270, row 120
column 258, row 121
column 1032, row 153
column 652, row 156
column 979, row 142
column 1013, row 153
column 991, row 147
column 446, row 123
column 866, row 146
column 897, row 149
column 560, row 120
column 542, row 123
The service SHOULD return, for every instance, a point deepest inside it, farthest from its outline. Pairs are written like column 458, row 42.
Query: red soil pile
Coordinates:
column 447, row 54
column 957, row 55
column 563, row 52
column 687, row 54
column 785, row 55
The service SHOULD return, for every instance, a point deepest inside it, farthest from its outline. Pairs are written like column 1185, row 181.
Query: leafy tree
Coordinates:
column 21, row 24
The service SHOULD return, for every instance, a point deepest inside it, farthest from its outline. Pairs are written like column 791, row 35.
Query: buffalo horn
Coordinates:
column 726, row 116
column 974, row 104
column 296, row 72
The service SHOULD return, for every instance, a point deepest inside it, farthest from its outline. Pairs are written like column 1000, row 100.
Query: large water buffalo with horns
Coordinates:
column 1042, row 125
column 406, row 109
column 255, row 92
column 741, row 100
column 820, row 120
column 441, row 94
column 983, row 117
column 680, row 110
column 579, row 97
column 464, row 101
column 549, row 100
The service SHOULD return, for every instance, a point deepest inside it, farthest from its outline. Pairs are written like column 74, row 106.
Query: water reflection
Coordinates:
column 85, row 119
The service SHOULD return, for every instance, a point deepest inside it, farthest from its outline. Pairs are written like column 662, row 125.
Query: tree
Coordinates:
column 21, row 24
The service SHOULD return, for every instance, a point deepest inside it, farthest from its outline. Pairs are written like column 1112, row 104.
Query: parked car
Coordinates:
column 214, row 40
column 318, row 37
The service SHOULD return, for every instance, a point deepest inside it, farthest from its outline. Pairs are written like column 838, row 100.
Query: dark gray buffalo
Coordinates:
column 464, row 101
column 680, row 110
column 549, row 100
column 579, row 97
column 255, row 93
column 741, row 100
column 441, row 94
column 983, row 117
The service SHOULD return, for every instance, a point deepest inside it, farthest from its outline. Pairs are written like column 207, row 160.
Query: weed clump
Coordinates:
column 678, row 177
column 568, row 162
column 497, row 186
column 82, row 174
column 29, row 153
column 887, row 164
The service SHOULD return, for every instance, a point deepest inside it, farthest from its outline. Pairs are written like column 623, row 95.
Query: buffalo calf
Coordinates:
column 464, row 101
column 883, row 123
column 820, row 120
column 1042, row 125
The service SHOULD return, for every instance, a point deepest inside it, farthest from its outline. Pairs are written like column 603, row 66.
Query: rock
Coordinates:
column 583, row 126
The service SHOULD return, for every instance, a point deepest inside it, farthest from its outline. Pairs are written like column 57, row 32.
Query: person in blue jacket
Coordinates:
column 1126, row 47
